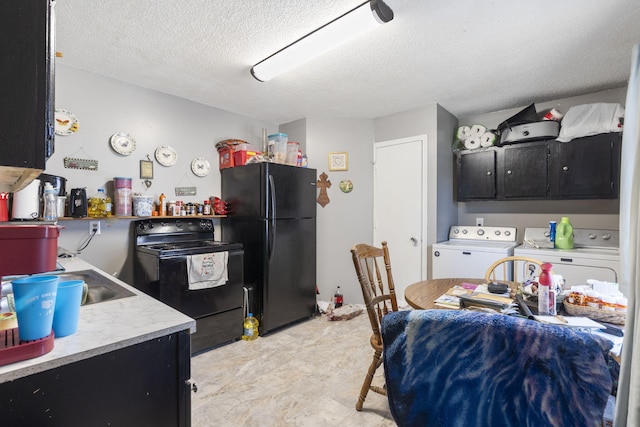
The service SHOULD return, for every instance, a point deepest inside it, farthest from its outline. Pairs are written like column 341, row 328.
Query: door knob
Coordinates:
column 414, row 241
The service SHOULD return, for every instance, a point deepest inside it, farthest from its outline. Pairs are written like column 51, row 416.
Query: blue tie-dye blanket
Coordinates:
column 457, row 368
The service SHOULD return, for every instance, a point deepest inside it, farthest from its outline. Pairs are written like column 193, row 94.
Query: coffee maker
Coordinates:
column 78, row 207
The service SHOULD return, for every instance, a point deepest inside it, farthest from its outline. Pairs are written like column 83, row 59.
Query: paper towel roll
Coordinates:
column 478, row 130
column 472, row 143
column 463, row 133
column 488, row 139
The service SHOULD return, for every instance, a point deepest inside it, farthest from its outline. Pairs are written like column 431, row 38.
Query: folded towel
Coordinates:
column 207, row 270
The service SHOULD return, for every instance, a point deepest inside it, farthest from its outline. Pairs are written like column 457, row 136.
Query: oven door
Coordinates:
column 172, row 287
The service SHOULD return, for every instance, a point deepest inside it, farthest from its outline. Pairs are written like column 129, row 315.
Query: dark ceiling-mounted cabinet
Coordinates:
column 477, row 175
column 27, row 90
column 585, row 168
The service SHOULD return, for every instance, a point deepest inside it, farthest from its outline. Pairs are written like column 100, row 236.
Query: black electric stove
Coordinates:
column 163, row 247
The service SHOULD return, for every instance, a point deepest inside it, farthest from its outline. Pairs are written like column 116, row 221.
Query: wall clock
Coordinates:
column 166, row 155
column 122, row 143
column 200, row 166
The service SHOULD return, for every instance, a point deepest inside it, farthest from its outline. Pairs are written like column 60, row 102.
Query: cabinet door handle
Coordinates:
column 565, row 168
column 509, row 172
column 191, row 384
column 488, row 173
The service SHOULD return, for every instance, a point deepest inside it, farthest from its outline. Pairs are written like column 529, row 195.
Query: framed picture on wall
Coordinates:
column 339, row 161
column 146, row 169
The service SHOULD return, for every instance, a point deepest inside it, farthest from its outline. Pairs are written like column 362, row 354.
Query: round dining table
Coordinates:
column 421, row 295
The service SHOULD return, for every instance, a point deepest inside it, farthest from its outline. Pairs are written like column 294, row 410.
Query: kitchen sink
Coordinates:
column 100, row 288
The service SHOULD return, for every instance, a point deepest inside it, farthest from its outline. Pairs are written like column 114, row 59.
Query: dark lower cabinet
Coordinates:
column 142, row 385
column 584, row 168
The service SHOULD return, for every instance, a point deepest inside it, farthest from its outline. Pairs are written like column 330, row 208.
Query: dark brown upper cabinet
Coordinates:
column 27, row 90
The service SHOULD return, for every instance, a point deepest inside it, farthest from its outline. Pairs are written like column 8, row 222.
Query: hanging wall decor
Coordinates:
column 346, row 186
column 80, row 163
column 339, row 161
column 323, row 183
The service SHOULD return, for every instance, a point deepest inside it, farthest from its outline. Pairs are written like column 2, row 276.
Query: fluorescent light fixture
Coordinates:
column 342, row 29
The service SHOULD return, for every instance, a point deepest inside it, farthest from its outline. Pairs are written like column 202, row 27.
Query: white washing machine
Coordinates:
column 596, row 254
column 470, row 250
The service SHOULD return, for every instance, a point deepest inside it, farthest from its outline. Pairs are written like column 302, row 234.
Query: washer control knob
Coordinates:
column 481, row 232
column 606, row 236
column 592, row 236
column 464, row 231
column 507, row 233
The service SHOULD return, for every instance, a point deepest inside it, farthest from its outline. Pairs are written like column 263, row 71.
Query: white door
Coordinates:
column 398, row 214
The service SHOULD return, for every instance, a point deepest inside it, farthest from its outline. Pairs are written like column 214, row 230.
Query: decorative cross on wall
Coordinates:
column 323, row 183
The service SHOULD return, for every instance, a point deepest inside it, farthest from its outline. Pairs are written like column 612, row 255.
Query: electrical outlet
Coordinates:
column 479, row 222
column 94, row 226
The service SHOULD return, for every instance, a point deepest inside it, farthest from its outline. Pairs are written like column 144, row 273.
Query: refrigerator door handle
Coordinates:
column 272, row 219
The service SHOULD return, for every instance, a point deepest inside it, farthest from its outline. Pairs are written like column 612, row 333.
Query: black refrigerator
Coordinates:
column 272, row 212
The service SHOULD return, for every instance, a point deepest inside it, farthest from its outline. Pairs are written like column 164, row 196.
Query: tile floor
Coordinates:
column 309, row 374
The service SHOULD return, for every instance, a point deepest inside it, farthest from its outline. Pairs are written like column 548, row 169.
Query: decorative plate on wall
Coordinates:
column 66, row 122
column 166, row 156
column 200, row 166
column 346, row 186
column 123, row 143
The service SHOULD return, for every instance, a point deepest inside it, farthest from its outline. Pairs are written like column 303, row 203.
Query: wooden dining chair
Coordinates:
column 373, row 268
column 513, row 269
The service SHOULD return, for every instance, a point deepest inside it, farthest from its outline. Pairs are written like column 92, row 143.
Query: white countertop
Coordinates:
column 104, row 327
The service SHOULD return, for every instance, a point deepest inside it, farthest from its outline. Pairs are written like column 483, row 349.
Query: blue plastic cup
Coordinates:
column 67, row 312
column 35, row 299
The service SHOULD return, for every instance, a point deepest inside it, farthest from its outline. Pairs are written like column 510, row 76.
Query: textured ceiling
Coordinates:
column 469, row 56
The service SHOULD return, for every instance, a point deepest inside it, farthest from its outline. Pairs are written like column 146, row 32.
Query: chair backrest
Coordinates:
column 373, row 268
column 513, row 269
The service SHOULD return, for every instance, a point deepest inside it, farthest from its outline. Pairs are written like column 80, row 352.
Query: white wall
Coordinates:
column 105, row 106
column 521, row 214
column 348, row 218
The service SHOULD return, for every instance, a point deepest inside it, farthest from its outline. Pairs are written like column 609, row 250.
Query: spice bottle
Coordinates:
column 338, row 298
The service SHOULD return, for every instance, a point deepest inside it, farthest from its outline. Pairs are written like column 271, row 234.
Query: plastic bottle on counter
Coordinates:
column 107, row 206
column 338, row 298
column 545, row 292
column 250, row 327
column 50, row 203
column 98, row 204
